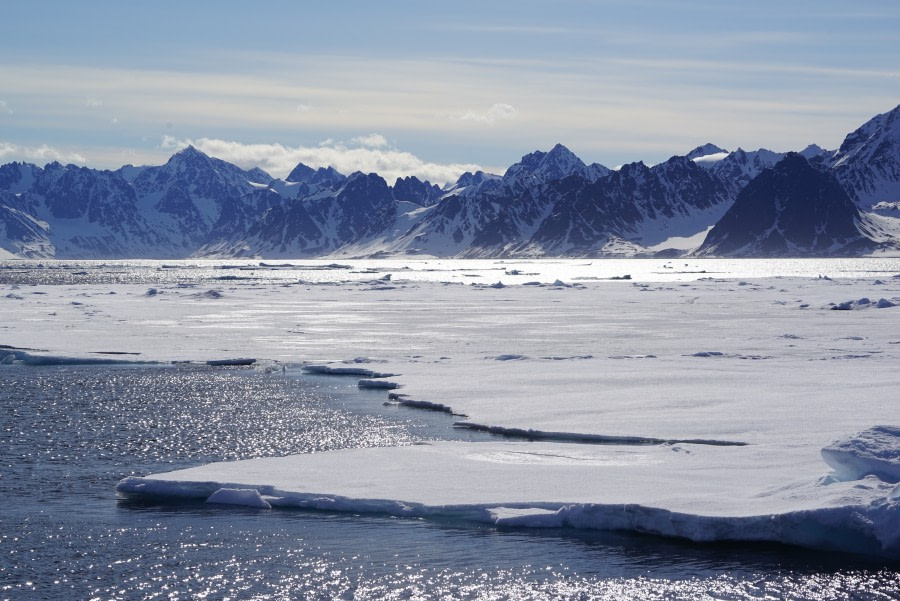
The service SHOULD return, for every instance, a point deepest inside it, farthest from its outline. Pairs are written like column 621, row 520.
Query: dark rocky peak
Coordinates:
column 558, row 163
column 18, row 177
column 192, row 163
column 595, row 171
column 412, row 189
column 473, row 179
column 323, row 177
column 189, row 157
column 705, row 150
column 813, row 151
column 789, row 209
column 763, row 156
column 362, row 181
column 632, row 170
column 300, row 174
column 259, row 176
column 793, row 164
column 327, row 176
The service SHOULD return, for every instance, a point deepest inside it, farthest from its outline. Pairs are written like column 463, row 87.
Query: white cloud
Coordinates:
column 4, row 108
column 369, row 154
column 93, row 103
column 497, row 112
column 371, row 141
column 303, row 108
column 173, row 143
column 40, row 154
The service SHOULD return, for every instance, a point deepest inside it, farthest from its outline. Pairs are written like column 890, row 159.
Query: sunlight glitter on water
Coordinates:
column 74, row 431
column 452, row 271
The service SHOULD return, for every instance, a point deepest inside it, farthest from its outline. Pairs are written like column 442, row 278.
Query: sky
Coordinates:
column 434, row 89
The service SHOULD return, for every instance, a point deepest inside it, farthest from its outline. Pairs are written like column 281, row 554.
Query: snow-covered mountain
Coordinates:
column 547, row 204
column 868, row 164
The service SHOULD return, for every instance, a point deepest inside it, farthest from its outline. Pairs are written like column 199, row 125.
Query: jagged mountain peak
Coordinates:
column 557, row 163
column 189, row 153
column 548, row 204
column 323, row 176
column 412, row 189
column 868, row 162
column 190, row 159
column 814, row 150
column 259, row 176
column 300, row 173
column 885, row 125
column 705, row 150
column 472, row 179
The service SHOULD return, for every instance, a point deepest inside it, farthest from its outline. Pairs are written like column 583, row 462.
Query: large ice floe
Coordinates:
column 713, row 409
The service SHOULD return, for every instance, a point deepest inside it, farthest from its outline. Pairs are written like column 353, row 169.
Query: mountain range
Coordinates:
column 708, row 202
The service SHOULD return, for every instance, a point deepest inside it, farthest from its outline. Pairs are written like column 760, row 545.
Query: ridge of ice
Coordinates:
column 872, row 452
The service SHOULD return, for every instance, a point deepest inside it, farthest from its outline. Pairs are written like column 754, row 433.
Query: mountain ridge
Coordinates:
column 550, row 203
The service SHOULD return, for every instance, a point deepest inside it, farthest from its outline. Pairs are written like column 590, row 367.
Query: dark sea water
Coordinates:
column 69, row 433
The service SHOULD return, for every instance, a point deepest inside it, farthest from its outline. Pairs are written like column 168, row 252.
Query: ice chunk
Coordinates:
column 875, row 452
column 510, row 357
column 230, row 362
column 12, row 356
column 377, row 384
column 248, row 497
column 345, row 371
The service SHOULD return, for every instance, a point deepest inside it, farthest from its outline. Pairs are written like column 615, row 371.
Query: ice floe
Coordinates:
column 648, row 489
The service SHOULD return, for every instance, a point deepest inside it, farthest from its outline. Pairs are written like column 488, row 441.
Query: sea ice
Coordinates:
column 247, row 497
column 706, row 495
column 832, row 377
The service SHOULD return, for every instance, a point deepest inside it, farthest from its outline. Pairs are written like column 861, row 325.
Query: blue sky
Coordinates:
column 434, row 88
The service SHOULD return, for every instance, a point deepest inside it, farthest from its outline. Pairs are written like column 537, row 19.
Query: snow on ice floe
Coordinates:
column 651, row 489
column 13, row 356
column 872, row 452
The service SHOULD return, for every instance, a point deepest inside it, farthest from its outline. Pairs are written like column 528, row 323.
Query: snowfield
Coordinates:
column 711, row 409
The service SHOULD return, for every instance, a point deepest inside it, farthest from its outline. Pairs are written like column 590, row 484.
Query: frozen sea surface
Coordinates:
column 71, row 432
column 788, row 361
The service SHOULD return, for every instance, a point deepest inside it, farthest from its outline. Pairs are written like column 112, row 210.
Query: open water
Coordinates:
column 70, row 433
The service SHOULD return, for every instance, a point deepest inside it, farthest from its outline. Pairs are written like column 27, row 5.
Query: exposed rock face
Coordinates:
column 788, row 210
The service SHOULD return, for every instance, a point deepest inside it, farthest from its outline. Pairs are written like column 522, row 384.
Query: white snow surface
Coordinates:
column 810, row 392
